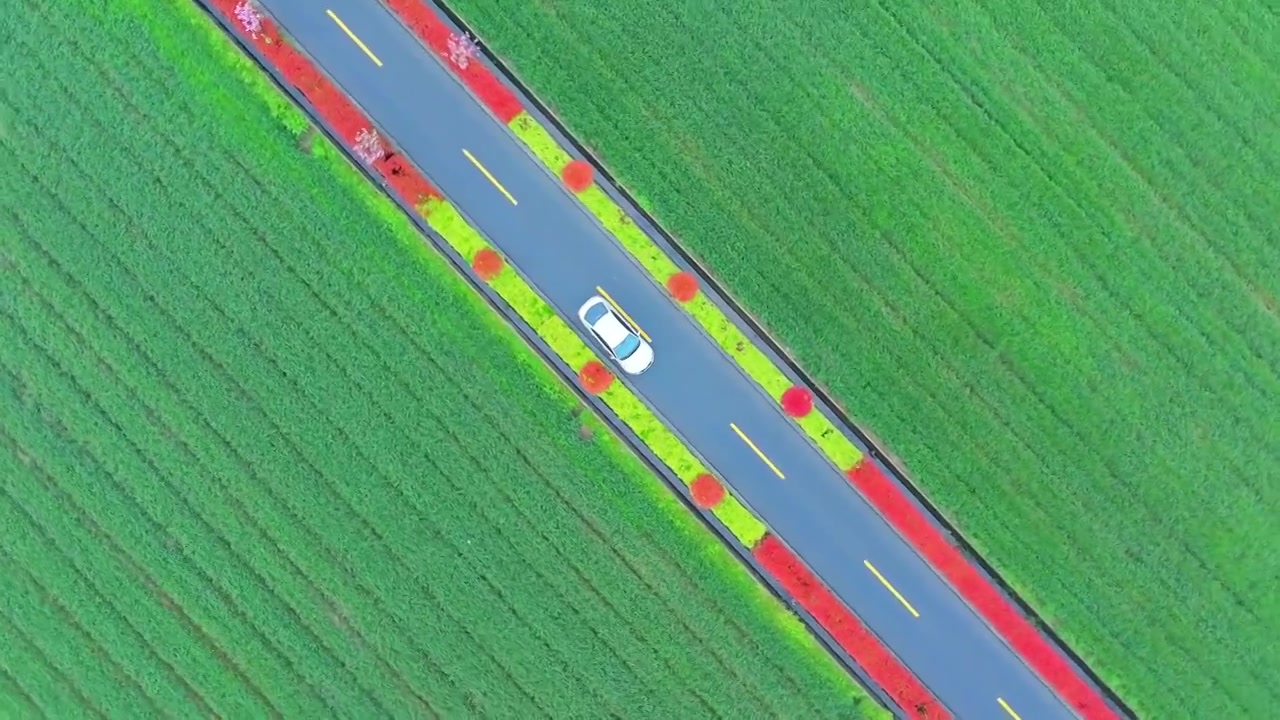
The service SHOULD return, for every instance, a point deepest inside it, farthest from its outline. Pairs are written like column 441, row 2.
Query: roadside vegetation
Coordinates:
column 262, row 453
column 1032, row 247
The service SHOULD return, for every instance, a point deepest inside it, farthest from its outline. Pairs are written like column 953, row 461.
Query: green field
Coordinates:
column 1033, row 247
column 264, row 455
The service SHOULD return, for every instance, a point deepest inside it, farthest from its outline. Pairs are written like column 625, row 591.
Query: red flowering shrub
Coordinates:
column 577, row 175
column 595, row 377
column 880, row 664
column 333, row 105
column 683, row 286
column 707, row 491
column 407, row 182
column 977, row 589
column 797, row 401
column 436, row 34
column 486, row 263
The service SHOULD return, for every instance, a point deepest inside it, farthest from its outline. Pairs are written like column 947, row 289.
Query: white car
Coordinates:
column 619, row 338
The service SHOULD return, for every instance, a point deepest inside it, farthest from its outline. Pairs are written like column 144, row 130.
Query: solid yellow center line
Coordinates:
column 618, row 307
column 356, row 40
column 1008, row 709
column 752, row 445
column 890, row 588
column 488, row 174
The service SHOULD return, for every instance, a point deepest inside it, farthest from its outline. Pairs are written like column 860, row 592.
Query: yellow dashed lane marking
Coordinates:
column 1008, row 709
column 359, row 43
column 752, row 445
column 488, row 175
column 890, row 588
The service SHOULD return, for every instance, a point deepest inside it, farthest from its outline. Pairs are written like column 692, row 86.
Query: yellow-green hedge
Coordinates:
column 512, row 288
column 753, row 361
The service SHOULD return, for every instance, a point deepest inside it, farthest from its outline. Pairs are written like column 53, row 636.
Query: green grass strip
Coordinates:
column 445, row 219
column 558, row 335
column 537, row 139
column 733, row 341
column 735, row 516
column 754, row 362
column 831, row 440
column 637, row 241
column 448, row 222
column 519, row 295
column 653, row 432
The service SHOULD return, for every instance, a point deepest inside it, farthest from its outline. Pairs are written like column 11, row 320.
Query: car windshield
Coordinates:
column 595, row 312
column 627, row 347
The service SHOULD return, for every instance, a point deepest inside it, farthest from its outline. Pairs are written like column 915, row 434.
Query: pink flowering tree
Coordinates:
column 462, row 50
column 249, row 17
column 369, row 146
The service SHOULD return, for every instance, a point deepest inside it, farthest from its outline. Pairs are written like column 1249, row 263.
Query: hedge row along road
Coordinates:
column 525, row 211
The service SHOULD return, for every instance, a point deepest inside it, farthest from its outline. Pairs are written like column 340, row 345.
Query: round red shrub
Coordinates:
column 595, row 377
column 683, row 286
column 707, row 491
column 577, row 175
column 797, row 401
column 486, row 263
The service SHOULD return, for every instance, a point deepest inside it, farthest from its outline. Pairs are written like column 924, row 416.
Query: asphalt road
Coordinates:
column 525, row 211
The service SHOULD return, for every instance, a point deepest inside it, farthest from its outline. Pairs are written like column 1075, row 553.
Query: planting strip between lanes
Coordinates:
column 360, row 137
column 864, row 473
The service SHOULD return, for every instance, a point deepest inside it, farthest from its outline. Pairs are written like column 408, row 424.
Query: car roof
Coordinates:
column 611, row 330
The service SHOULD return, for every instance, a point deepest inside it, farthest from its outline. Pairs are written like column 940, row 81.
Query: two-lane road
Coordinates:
column 524, row 210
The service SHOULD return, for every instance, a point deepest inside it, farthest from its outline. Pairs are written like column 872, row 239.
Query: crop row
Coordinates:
column 445, row 219
column 256, row 457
